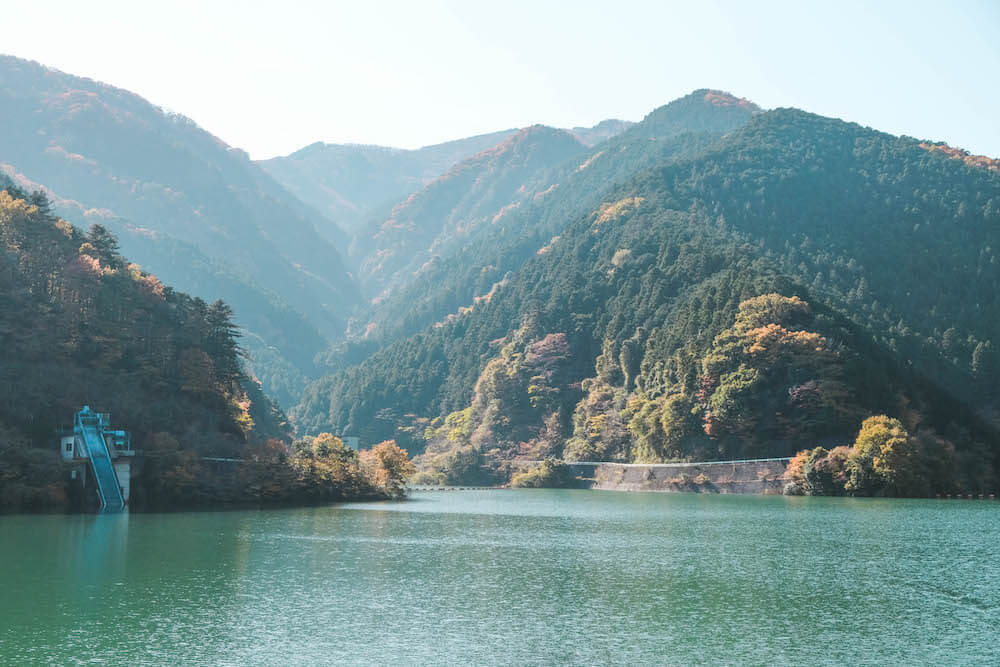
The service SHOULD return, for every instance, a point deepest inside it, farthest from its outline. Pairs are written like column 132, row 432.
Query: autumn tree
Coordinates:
column 388, row 467
column 881, row 449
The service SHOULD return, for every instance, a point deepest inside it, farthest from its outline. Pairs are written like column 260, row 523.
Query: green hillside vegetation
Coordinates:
column 474, row 266
column 886, row 459
column 469, row 198
column 79, row 324
column 742, row 301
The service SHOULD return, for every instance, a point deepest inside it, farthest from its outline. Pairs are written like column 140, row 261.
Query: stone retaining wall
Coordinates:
column 755, row 477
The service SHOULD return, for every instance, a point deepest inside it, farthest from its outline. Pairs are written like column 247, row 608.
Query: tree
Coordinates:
column 197, row 371
column 789, row 312
column 106, row 246
column 388, row 467
column 221, row 344
column 881, row 446
column 329, row 446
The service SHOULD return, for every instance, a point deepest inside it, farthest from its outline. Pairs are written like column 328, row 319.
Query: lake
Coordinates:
column 510, row 576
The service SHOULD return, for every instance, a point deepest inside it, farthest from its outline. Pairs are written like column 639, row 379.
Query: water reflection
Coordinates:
column 509, row 577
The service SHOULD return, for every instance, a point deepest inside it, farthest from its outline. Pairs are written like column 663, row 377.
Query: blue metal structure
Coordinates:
column 91, row 428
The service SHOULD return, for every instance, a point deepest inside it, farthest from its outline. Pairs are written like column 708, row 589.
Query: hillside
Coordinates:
column 80, row 324
column 348, row 182
column 162, row 183
column 742, row 301
column 467, row 200
column 474, row 265
column 352, row 183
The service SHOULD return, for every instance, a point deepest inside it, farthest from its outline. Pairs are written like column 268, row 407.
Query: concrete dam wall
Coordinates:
column 763, row 476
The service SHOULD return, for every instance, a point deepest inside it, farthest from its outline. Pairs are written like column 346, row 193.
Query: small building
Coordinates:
column 352, row 441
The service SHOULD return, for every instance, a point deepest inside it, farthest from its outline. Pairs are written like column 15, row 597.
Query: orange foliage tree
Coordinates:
column 387, row 466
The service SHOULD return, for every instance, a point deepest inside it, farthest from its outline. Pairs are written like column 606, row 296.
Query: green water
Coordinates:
column 487, row 577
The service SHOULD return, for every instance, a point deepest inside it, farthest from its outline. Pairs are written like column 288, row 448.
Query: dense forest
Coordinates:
column 469, row 198
column 464, row 269
column 80, row 324
column 743, row 299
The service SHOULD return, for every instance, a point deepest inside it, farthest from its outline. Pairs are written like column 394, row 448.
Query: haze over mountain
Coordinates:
column 197, row 212
column 470, row 197
column 590, row 136
column 349, row 182
column 537, row 212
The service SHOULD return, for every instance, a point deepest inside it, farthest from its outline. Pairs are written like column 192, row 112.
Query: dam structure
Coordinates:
column 107, row 451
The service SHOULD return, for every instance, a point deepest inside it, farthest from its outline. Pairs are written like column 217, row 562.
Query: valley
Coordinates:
column 714, row 281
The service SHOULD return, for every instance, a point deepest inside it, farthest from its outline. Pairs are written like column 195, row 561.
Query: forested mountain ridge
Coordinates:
column 474, row 266
column 744, row 300
column 162, row 183
column 349, row 182
column 469, row 198
column 281, row 343
column 855, row 210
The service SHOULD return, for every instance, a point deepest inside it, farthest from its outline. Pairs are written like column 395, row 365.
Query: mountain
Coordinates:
column 351, row 183
column 591, row 136
column 530, row 219
column 751, row 296
column 186, row 206
column 347, row 182
column 469, row 198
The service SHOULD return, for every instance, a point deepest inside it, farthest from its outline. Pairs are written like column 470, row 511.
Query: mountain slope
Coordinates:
column 347, row 182
column 468, row 273
column 628, row 337
column 122, row 158
column 350, row 183
column 467, row 199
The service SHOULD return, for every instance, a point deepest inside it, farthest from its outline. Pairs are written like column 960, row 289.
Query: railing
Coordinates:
column 90, row 427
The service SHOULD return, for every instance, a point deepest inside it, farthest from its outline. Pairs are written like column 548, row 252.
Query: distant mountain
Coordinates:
column 468, row 199
column 350, row 183
column 347, row 182
column 591, row 136
column 187, row 206
column 750, row 295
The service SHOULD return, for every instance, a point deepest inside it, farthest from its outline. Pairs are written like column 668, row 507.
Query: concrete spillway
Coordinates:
column 89, row 427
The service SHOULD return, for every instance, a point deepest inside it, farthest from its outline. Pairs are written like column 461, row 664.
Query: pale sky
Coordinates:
column 271, row 77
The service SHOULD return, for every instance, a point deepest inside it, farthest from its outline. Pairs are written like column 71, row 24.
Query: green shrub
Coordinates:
column 549, row 474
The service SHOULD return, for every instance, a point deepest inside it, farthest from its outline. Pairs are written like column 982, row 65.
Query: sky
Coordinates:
column 272, row 77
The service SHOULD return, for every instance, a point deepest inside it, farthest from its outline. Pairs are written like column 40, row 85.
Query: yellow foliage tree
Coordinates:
column 388, row 467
